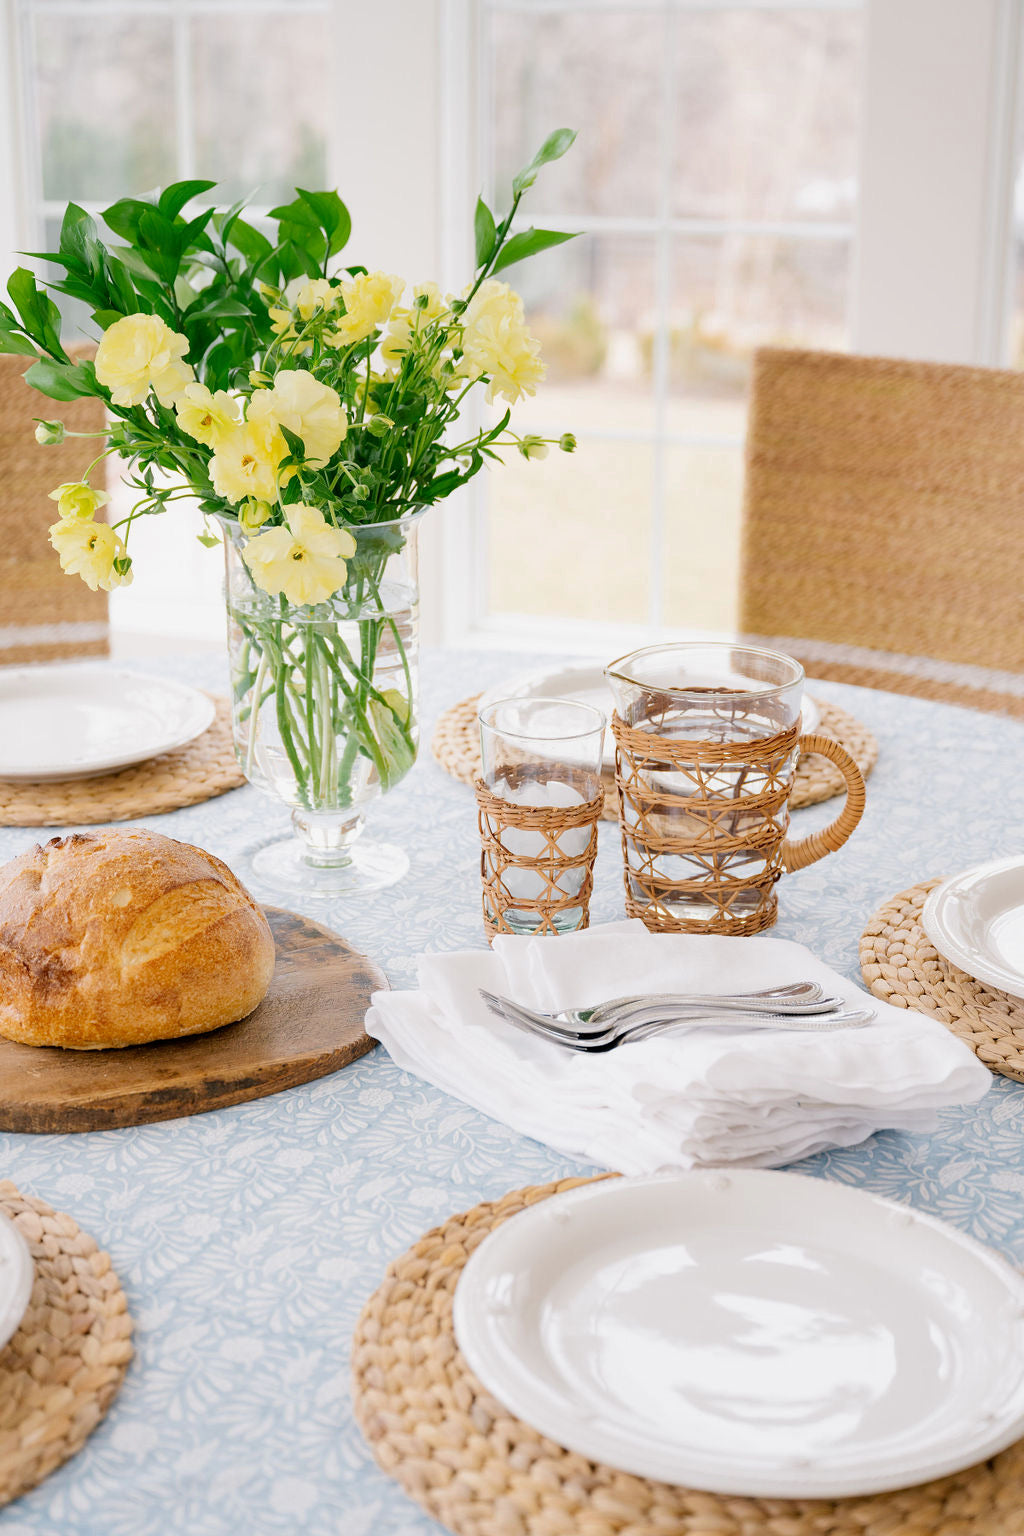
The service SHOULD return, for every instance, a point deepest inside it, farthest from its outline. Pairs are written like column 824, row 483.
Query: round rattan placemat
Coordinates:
column 901, row 965
column 61, row 1370
column 199, row 771
column 456, row 746
column 481, row 1472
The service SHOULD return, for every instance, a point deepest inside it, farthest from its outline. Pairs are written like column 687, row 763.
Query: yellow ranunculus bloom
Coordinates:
column 306, row 407
column 302, row 297
column 89, row 550
column 369, row 300
column 76, row 498
column 305, row 560
column 495, row 342
column 245, row 461
column 140, row 353
column 206, row 416
column 253, row 514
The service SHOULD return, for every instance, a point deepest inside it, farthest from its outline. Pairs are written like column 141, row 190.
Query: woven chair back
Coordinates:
column 44, row 615
column 883, row 517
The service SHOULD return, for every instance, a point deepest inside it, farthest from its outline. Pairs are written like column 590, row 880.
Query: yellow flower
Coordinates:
column 76, row 498
column 495, row 342
column 427, row 305
column 253, row 514
column 204, row 416
column 305, row 560
column 306, row 407
column 89, row 550
column 245, row 462
column 369, row 301
column 300, row 300
column 533, row 448
column 139, row 353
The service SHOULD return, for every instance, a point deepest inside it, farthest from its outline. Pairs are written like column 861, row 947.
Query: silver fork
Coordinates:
column 625, row 1031
column 799, row 999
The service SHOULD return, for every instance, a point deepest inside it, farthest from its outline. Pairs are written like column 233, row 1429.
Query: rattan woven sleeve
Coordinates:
column 63, row 1367
column 901, row 965
column 203, row 769
column 456, row 746
column 562, row 879
column 481, row 1472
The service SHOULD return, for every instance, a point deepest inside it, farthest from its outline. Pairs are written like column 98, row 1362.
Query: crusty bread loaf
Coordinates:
column 116, row 938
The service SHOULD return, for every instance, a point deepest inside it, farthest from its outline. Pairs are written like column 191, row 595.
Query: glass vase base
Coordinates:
column 370, row 867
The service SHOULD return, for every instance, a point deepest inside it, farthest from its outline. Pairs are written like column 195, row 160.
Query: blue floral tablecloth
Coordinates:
column 248, row 1239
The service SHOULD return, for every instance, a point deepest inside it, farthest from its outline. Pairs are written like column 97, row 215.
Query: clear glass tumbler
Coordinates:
column 540, row 798
column 707, row 741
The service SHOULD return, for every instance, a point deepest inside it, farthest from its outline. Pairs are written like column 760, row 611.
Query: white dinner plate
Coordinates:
column 70, row 722
column 976, row 919
column 16, row 1276
column 749, row 1332
column 585, row 682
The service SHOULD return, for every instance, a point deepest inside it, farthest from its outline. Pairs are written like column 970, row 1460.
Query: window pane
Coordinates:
column 732, row 293
column 105, row 104
column 766, row 114
column 596, row 71
column 590, row 303
column 262, row 99
column 570, row 534
column 703, row 497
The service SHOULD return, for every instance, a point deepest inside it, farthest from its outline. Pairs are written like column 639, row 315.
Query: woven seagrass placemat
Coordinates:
column 199, row 771
column 481, row 1472
column 901, row 965
column 456, row 746
column 62, row 1369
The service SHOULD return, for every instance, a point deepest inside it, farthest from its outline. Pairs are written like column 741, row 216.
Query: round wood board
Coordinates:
column 309, row 1024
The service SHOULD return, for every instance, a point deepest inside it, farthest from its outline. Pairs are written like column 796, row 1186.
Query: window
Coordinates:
column 119, row 96
column 715, row 184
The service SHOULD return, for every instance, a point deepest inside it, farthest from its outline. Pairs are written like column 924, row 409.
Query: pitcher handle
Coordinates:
column 798, row 853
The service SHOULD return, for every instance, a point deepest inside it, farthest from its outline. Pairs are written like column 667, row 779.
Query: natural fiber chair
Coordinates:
column 883, row 537
column 44, row 615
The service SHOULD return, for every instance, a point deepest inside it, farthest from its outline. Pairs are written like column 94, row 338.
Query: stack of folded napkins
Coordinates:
column 702, row 1097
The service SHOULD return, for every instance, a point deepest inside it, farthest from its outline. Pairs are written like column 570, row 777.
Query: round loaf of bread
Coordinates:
column 116, row 938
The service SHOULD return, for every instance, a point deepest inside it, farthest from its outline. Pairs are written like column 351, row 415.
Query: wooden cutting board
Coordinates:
column 309, row 1024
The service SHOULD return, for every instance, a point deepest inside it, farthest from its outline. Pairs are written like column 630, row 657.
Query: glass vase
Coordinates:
column 324, row 707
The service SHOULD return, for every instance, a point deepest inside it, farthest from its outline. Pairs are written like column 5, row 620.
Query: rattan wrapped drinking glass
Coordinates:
column 707, row 738
column 539, row 802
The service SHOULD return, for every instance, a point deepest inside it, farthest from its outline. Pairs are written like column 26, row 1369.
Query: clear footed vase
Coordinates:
column 325, row 707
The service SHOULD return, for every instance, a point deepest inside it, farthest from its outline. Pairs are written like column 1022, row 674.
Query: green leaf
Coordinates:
column 174, row 197
column 253, row 245
column 58, row 381
column 161, row 244
column 208, row 539
column 12, row 341
column 333, row 217
column 485, row 232
column 119, row 284
column 527, row 243
column 105, row 318
column 123, row 217
column 553, row 148
column 38, row 312
column 79, row 240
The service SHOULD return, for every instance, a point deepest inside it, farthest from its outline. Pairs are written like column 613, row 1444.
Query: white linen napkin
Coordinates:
column 705, row 1097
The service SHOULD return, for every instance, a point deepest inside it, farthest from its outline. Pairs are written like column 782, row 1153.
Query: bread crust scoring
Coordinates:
column 118, row 937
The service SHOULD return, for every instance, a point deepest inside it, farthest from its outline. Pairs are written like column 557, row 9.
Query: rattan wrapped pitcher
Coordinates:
column 707, row 737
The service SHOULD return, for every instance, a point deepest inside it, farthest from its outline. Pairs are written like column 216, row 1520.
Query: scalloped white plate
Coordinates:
column 75, row 721
column 17, row 1273
column 976, row 919
column 749, row 1332
column 585, row 682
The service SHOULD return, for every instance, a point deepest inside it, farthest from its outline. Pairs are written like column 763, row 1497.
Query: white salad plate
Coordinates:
column 16, row 1276
column 584, row 682
column 749, row 1332
column 976, row 919
column 70, row 722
